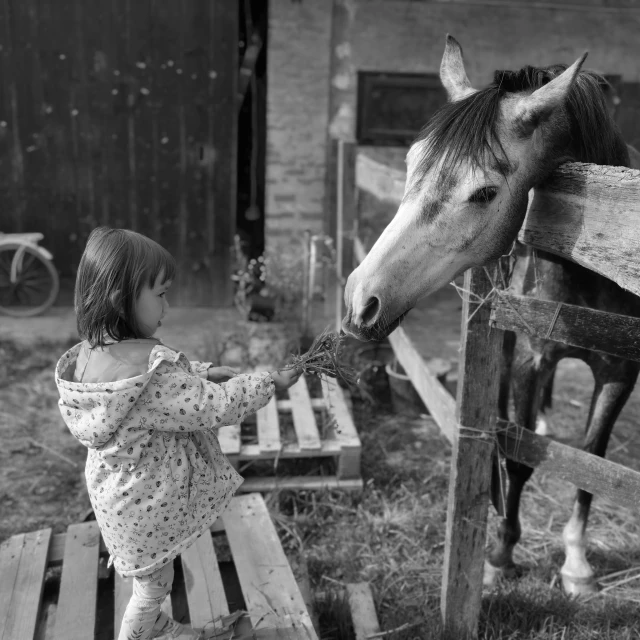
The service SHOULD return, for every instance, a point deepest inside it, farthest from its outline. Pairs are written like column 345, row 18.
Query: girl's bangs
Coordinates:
column 160, row 261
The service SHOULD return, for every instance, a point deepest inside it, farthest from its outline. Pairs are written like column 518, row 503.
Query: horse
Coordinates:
column 469, row 173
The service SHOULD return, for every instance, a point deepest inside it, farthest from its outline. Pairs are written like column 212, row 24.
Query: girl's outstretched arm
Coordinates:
column 181, row 401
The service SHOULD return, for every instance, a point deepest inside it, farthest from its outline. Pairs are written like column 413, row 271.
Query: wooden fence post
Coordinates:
column 346, row 216
column 470, row 478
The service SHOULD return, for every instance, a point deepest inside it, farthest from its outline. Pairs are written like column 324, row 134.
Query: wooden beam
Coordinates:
column 585, row 470
column 589, row 213
column 592, row 6
column 611, row 333
column 363, row 610
column 480, row 355
column 437, row 399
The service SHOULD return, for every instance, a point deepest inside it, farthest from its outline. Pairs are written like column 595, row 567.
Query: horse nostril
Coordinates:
column 370, row 311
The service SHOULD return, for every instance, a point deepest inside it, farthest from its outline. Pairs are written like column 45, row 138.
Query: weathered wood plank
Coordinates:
column 289, row 450
column 269, row 427
column 300, row 483
column 270, row 591
column 363, row 610
column 437, row 399
column 612, row 333
column 229, row 438
column 285, row 405
column 203, row 583
column 10, row 554
column 344, row 430
column 480, row 354
column 589, row 214
column 22, row 611
column 585, row 470
column 77, row 602
column 304, row 420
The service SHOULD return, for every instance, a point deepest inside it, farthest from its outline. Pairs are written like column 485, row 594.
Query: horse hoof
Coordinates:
column 574, row 586
column 542, row 427
column 493, row 575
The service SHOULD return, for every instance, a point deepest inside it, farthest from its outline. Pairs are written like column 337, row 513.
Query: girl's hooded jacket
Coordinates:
column 156, row 475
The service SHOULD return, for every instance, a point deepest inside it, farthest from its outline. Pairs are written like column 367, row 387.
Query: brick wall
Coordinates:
column 297, row 112
column 407, row 36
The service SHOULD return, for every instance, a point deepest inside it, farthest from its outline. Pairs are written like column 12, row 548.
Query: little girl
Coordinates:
column 156, row 475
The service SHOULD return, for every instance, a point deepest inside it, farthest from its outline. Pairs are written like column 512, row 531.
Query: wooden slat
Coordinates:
column 229, row 438
column 289, row 450
column 585, row 470
column 577, row 326
column 589, row 214
column 20, row 607
column 123, row 591
column 480, row 354
column 270, row 591
column 344, row 429
column 346, row 432
column 203, row 583
column 363, row 610
column 304, row 420
column 285, row 405
column 300, row 483
column 269, row 428
column 10, row 554
column 76, row 612
column 437, row 399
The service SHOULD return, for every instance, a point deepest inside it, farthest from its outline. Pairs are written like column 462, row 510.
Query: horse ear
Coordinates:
column 538, row 107
column 452, row 73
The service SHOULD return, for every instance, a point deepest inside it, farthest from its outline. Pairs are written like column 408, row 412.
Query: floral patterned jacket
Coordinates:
column 156, row 475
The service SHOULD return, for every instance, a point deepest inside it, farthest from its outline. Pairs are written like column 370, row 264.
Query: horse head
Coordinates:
column 469, row 173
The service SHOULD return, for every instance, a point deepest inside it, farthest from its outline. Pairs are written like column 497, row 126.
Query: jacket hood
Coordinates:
column 84, row 405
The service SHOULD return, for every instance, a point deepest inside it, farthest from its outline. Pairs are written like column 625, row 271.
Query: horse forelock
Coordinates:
column 467, row 129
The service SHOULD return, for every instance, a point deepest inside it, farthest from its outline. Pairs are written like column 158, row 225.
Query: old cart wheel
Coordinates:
column 36, row 286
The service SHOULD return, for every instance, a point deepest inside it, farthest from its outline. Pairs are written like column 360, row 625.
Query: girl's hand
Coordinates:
column 220, row 374
column 285, row 378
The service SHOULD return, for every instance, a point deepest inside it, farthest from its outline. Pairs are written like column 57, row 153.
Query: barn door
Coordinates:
column 123, row 113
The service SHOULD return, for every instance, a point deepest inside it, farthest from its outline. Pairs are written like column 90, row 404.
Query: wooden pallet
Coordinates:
column 275, row 606
column 322, row 427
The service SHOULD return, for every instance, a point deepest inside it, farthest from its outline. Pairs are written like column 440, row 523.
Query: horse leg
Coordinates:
column 542, row 422
column 508, row 347
column 530, row 371
column 614, row 381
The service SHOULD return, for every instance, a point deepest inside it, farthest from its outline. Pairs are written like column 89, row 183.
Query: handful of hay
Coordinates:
column 323, row 359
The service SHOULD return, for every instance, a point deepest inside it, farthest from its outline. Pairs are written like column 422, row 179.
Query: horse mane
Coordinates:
column 468, row 128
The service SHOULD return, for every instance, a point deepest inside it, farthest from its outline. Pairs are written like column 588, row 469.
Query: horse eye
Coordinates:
column 484, row 195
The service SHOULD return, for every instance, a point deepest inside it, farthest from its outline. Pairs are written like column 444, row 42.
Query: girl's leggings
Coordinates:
column 142, row 618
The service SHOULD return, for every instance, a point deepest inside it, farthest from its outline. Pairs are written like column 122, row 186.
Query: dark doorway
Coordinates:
column 252, row 126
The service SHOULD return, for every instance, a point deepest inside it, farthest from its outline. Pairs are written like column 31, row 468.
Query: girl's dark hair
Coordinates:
column 114, row 267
